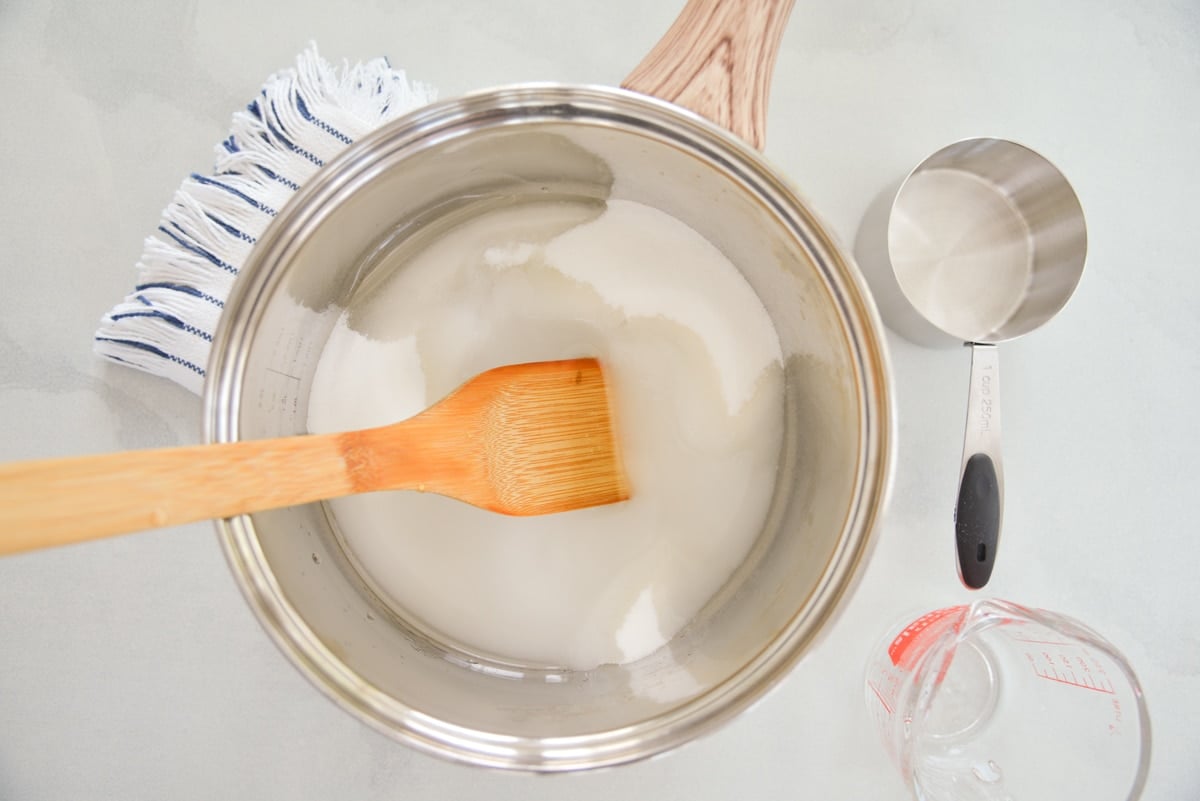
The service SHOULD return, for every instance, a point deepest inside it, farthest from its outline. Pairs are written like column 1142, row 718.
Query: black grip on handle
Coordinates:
column 977, row 521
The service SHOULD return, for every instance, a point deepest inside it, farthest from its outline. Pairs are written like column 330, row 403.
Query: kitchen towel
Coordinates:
column 302, row 118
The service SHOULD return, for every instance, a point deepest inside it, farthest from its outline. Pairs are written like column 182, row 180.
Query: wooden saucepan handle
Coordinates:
column 717, row 59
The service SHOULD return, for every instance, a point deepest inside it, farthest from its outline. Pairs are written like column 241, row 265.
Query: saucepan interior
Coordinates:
column 503, row 147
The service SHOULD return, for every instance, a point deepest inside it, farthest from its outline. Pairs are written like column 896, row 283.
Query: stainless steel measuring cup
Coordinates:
column 985, row 242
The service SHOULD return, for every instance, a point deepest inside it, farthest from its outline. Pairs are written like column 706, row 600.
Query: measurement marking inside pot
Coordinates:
column 295, row 378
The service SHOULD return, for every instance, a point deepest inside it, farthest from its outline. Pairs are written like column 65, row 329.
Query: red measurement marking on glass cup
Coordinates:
column 905, row 652
column 887, row 706
column 1080, row 670
column 916, row 638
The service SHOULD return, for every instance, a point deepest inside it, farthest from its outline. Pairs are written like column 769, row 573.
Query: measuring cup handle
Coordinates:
column 980, row 503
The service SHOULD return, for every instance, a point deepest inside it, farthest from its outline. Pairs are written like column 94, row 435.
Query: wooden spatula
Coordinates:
column 526, row 439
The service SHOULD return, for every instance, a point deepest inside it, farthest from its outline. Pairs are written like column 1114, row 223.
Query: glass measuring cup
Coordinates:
column 997, row 702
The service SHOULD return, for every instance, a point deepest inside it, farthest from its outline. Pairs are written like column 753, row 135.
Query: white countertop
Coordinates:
column 132, row 669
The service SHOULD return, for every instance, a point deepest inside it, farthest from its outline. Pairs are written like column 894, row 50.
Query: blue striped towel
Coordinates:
column 301, row 118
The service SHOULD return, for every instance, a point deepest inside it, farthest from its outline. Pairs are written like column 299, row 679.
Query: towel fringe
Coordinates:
column 303, row 117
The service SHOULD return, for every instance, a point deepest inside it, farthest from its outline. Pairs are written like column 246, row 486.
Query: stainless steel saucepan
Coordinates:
column 690, row 152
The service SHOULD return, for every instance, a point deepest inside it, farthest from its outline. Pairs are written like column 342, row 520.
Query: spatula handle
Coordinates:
column 58, row 501
column 717, row 59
